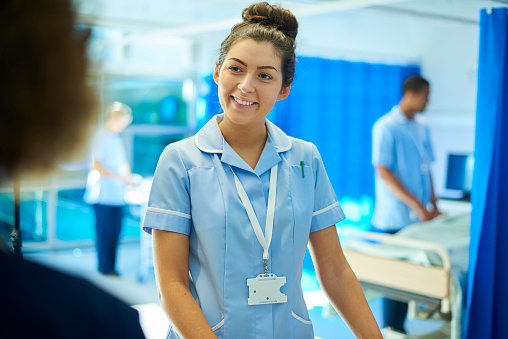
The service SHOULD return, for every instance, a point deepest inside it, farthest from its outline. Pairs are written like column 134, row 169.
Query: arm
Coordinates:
column 340, row 283
column 124, row 175
column 402, row 193
column 171, row 262
column 436, row 212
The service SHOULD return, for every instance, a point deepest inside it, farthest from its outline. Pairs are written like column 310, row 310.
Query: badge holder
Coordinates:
column 265, row 289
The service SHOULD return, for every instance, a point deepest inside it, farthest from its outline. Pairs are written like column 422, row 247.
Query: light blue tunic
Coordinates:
column 109, row 149
column 194, row 193
column 403, row 146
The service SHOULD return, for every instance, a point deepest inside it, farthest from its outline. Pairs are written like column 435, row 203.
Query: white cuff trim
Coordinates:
column 325, row 209
column 160, row 210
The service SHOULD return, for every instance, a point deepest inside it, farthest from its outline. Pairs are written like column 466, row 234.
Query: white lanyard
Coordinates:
column 267, row 238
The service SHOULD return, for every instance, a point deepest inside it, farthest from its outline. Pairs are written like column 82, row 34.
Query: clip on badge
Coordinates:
column 265, row 289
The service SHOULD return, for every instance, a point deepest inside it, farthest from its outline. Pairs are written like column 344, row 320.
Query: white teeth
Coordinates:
column 241, row 102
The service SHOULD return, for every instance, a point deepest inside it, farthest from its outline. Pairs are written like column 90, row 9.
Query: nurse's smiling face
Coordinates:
column 250, row 82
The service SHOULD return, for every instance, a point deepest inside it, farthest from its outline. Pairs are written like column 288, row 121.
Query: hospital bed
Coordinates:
column 424, row 264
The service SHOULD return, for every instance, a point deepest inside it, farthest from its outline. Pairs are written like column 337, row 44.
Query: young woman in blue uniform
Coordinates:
column 233, row 208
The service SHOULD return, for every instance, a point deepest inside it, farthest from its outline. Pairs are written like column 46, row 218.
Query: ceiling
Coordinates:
column 202, row 22
column 192, row 17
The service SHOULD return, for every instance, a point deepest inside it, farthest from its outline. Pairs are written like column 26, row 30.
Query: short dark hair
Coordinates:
column 415, row 83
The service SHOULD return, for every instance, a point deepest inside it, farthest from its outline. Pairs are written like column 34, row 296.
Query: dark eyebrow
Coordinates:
column 260, row 67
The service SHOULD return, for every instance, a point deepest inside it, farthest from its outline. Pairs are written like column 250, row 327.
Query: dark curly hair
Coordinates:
column 266, row 23
column 47, row 111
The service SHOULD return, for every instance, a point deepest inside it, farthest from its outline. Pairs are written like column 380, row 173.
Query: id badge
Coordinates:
column 265, row 289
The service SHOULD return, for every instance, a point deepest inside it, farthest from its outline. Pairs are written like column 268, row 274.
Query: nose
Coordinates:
column 246, row 84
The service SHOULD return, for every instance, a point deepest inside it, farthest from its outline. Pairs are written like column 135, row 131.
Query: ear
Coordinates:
column 216, row 74
column 284, row 92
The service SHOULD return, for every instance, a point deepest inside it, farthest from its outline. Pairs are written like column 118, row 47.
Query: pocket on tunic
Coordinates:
column 219, row 329
column 300, row 319
column 302, row 328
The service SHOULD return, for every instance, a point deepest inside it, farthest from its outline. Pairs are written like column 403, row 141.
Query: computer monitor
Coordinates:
column 459, row 175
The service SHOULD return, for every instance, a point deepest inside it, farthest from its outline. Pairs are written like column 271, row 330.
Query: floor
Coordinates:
column 140, row 292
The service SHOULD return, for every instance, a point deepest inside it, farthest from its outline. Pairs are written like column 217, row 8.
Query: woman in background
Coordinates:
column 233, row 208
column 106, row 184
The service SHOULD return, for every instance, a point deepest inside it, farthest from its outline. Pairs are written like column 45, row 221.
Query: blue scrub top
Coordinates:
column 194, row 193
column 403, row 146
column 109, row 149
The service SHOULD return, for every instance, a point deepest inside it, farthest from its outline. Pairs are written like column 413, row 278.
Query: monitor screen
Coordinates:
column 460, row 173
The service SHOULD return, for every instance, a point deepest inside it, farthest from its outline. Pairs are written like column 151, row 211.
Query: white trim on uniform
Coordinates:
column 219, row 325
column 160, row 210
column 204, row 149
column 308, row 322
column 325, row 209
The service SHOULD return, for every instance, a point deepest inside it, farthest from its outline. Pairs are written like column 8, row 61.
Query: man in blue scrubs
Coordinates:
column 401, row 155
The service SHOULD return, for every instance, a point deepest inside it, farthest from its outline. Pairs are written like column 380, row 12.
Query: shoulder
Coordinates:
column 100, row 136
column 386, row 120
column 386, row 125
column 299, row 144
column 301, row 147
column 184, row 152
column 305, row 151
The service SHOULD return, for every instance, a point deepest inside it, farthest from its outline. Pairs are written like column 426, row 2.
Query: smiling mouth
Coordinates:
column 241, row 102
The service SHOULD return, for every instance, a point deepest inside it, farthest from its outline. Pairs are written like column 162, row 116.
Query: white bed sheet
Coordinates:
column 449, row 231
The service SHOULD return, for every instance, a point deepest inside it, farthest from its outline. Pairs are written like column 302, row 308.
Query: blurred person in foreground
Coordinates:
column 402, row 154
column 106, row 184
column 47, row 114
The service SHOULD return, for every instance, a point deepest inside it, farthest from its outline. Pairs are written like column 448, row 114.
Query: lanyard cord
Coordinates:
column 270, row 213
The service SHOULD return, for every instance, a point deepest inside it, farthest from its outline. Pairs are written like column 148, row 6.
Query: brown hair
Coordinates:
column 265, row 23
column 46, row 108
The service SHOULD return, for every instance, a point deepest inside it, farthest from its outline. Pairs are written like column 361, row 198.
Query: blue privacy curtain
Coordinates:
column 334, row 104
column 487, row 312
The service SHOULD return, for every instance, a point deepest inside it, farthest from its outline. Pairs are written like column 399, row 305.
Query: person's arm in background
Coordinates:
column 400, row 191
column 125, row 174
column 436, row 212
column 171, row 263
column 340, row 284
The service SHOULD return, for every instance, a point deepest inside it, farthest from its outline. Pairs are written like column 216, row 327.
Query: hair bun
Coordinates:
column 273, row 16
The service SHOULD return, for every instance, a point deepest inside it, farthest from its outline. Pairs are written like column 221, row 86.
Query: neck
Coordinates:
column 248, row 141
column 408, row 112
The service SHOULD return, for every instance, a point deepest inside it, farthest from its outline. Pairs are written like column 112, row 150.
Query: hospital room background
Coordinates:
column 158, row 57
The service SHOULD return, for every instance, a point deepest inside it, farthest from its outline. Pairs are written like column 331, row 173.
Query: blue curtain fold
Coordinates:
column 487, row 295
